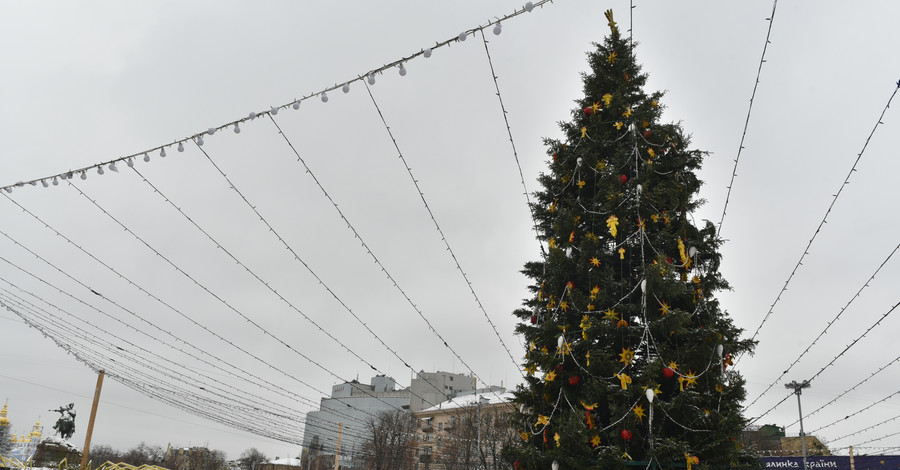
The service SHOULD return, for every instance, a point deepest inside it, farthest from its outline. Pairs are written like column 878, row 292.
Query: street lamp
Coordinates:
column 798, row 387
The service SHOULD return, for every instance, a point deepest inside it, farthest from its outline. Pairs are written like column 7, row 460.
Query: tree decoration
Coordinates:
column 660, row 320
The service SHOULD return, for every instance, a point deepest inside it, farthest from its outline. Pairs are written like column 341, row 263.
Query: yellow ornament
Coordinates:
column 639, row 412
column 612, row 222
column 556, row 438
column 584, row 132
column 564, row 306
column 624, row 380
column 626, row 356
column 611, row 57
column 627, row 112
column 651, row 152
column 681, row 251
column 654, row 104
column 612, row 24
column 595, row 441
column 621, row 253
column 523, row 435
column 531, row 369
column 595, row 262
column 552, row 243
column 550, row 376
column 673, row 365
column 607, row 99
column 663, row 308
column 611, row 314
column 587, row 358
column 618, row 125
column 543, row 420
column 595, row 107
column 581, row 184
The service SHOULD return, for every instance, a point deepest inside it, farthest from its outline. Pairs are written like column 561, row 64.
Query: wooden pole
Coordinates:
column 852, row 466
column 337, row 450
column 90, row 429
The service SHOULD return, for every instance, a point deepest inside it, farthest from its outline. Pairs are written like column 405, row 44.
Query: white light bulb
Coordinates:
column 371, row 79
column 497, row 29
column 554, row 465
column 650, row 394
column 324, row 97
column 569, row 252
column 346, row 88
column 639, row 189
column 296, row 105
column 130, row 162
column 44, row 183
column 55, row 181
column 237, row 128
column 147, row 157
column 99, row 170
column 181, row 146
column 461, row 37
column 199, row 140
column 112, row 167
column 211, row 130
column 402, row 70
column 252, row 115
column 84, row 175
column 162, row 153
column 427, row 53
column 578, row 162
column 529, row 6
column 692, row 251
column 719, row 350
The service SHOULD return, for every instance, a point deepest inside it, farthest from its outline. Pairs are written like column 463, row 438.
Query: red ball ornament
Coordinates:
column 574, row 380
column 516, row 465
column 588, row 110
column 668, row 372
column 626, row 434
column 623, row 179
column 669, row 260
column 647, row 134
column 534, row 319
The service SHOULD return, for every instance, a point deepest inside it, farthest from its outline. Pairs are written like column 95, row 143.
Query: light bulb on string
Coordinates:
column 497, row 29
column 112, row 167
column 181, row 146
column 371, row 78
column 199, row 140
column 252, row 115
column 324, row 97
column 650, row 394
column 55, row 181
column 84, row 175
column 296, row 105
column 162, row 153
column 346, row 88
column 402, row 70
column 100, row 170
column 237, row 128
column 529, row 6
column 427, row 52
column 129, row 162
column 44, row 183
column 211, row 130
column 462, row 36
column 273, row 111
column 146, row 157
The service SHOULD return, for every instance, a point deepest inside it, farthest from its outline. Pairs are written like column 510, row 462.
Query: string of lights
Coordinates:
column 344, row 85
column 512, row 144
column 869, row 428
column 446, row 244
column 366, row 247
column 827, row 326
column 224, row 302
column 296, row 257
column 867, row 407
column 243, row 374
column 762, row 60
column 827, row 213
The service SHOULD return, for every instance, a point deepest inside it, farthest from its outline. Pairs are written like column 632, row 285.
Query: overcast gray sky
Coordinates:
column 90, row 82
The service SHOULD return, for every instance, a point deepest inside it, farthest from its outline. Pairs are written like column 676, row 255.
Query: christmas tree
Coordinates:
column 627, row 349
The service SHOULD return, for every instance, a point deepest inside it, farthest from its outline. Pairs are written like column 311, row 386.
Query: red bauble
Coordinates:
column 647, row 134
column 588, row 110
column 626, row 434
column 516, row 465
column 668, row 372
column 534, row 319
column 669, row 259
column 574, row 380
column 623, row 179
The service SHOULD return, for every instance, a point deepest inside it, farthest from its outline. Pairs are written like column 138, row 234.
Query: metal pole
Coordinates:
column 798, row 388
column 90, row 429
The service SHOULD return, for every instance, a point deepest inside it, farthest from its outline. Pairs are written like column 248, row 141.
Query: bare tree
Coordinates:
column 100, row 454
column 252, row 457
column 391, row 442
column 476, row 439
column 143, row 454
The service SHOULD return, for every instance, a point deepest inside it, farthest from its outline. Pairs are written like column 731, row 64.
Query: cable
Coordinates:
column 444, row 239
column 827, row 212
column 762, row 59
column 825, row 330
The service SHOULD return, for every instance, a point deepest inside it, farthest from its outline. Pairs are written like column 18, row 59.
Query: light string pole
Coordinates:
column 798, row 389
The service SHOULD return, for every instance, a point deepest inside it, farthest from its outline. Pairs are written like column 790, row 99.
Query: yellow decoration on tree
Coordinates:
column 595, row 262
column 590, row 307
column 594, row 291
column 600, row 165
column 550, row 376
column 681, row 251
column 612, row 24
column 690, row 378
column 611, row 57
column 581, row 184
column 584, row 132
column 651, row 153
column 543, row 420
column 556, row 438
column 564, row 306
column 640, row 412
column 624, row 380
column 618, row 125
column 531, row 369
column 654, row 104
column 595, row 441
column 585, row 324
column 654, row 218
column 523, row 435
column 611, row 314
column 613, row 223
column 621, row 323
column 552, row 207
column 587, row 358
column 607, row 99
column 673, row 365
column 664, row 307
column 627, row 112
column 595, row 107
column 626, row 356
column 621, row 253
column 588, row 407
column 551, row 243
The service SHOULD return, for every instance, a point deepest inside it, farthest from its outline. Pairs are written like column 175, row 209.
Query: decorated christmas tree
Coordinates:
column 628, row 351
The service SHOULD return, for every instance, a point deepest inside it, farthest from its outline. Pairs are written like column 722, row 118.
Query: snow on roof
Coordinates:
column 472, row 400
column 293, row 462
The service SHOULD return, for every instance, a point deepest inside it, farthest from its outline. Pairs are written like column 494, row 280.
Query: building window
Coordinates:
column 440, row 426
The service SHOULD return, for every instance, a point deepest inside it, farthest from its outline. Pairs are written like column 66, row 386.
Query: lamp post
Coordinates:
column 798, row 388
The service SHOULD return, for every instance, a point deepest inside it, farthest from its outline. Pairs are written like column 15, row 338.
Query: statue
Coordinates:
column 65, row 425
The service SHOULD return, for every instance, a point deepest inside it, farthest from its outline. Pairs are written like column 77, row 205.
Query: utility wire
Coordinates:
column 762, row 59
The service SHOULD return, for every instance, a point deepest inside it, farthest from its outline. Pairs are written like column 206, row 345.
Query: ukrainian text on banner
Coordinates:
column 865, row 462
